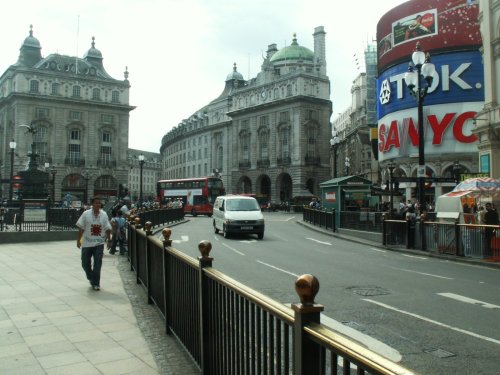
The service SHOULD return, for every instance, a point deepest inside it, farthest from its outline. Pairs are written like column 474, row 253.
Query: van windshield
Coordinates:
column 242, row 205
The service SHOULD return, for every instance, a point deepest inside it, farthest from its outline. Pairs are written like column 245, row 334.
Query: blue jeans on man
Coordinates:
column 93, row 273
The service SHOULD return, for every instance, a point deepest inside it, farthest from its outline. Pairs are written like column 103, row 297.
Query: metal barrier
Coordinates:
column 362, row 220
column 320, row 218
column 229, row 328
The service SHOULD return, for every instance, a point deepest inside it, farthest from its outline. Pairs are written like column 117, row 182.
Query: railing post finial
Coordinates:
column 166, row 232
column 148, row 228
column 205, row 247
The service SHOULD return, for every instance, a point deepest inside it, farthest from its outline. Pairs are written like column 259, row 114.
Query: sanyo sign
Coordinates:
column 453, row 99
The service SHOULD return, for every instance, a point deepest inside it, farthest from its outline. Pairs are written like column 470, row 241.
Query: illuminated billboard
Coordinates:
column 452, row 101
column 439, row 25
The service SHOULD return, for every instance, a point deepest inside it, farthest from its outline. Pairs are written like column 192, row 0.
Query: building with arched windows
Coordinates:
column 264, row 135
column 80, row 117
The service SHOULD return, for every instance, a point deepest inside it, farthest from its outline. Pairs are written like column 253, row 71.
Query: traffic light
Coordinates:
column 386, row 185
column 120, row 191
column 396, row 185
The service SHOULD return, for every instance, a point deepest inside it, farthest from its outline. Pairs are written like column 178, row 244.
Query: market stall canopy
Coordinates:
column 479, row 187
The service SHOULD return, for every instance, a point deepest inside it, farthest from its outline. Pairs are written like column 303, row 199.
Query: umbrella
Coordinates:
column 479, row 186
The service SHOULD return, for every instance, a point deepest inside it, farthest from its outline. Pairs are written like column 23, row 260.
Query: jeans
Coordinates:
column 93, row 274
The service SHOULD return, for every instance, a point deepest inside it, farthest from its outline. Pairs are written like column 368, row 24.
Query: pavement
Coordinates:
column 52, row 322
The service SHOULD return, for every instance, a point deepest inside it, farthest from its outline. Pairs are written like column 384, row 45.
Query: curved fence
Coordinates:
column 229, row 328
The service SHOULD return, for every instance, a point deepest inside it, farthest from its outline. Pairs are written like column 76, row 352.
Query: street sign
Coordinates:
column 426, row 179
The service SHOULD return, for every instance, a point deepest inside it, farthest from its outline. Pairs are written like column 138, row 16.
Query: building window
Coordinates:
column 245, row 145
column 105, row 155
column 55, row 89
column 34, row 85
column 311, row 141
column 75, row 135
column 107, row 119
column 311, row 115
column 284, row 116
column 263, row 144
column 74, row 153
column 284, row 139
column 41, row 113
column 264, row 121
column 115, row 96
column 106, row 137
column 40, row 139
column 96, row 94
column 75, row 116
column 77, row 91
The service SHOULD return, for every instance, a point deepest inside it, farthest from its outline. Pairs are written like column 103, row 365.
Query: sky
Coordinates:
column 179, row 52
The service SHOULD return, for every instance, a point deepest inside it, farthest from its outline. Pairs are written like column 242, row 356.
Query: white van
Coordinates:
column 238, row 214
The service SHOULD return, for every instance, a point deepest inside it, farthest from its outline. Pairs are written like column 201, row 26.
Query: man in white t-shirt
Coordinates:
column 94, row 230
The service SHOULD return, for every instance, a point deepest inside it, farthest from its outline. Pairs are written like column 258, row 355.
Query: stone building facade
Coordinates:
column 79, row 115
column 267, row 135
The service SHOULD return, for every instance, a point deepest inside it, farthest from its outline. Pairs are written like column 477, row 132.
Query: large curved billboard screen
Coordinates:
column 439, row 25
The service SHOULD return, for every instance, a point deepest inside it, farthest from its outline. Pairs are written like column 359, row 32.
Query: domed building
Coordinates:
column 264, row 135
column 79, row 117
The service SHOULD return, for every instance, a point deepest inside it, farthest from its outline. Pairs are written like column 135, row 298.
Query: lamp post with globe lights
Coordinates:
column 141, row 165
column 420, row 65
column 334, row 142
column 12, row 145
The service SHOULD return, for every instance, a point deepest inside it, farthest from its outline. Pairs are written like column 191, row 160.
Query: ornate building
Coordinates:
column 488, row 118
column 80, row 117
column 265, row 135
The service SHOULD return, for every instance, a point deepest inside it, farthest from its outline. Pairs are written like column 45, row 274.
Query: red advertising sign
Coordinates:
column 439, row 26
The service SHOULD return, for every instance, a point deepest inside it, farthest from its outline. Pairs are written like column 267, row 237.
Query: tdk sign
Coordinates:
column 459, row 78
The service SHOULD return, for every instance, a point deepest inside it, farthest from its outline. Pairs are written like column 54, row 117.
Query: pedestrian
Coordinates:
column 490, row 218
column 120, row 234
column 94, row 230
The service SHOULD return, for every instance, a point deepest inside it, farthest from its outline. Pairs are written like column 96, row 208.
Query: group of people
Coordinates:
column 95, row 230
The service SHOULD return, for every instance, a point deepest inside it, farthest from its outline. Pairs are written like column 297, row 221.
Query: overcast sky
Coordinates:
column 179, row 52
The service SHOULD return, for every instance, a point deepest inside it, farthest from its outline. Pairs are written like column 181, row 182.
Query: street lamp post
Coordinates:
column 347, row 165
column 422, row 64
column 12, row 145
column 334, row 141
column 391, row 166
column 85, row 197
column 456, row 172
column 141, row 165
column 53, row 171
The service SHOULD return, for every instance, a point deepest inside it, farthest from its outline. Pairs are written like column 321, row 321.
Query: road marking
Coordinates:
column 415, row 257
column 291, row 218
column 321, row 242
column 379, row 250
column 248, row 241
column 233, row 249
column 183, row 239
column 485, row 338
column 422, row 273
column 277, row 268
column 469, row 300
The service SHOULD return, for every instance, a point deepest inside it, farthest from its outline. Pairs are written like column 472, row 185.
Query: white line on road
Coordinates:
column 183, row 239
column 422, row 273
column 379, row 250
column 434, row 322
column 321, row 242
column 290, row 218
column 277, row 268
column 415, row 257
column 233, row 249
column 469, row 300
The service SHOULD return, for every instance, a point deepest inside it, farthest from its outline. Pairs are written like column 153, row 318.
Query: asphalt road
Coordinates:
column 430, row 315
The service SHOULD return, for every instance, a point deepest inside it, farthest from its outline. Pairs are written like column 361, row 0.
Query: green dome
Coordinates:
column 293, row 52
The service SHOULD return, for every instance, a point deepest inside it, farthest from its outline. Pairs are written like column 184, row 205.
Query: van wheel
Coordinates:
column 260, row 235
column 193, row 212
column 215, row 229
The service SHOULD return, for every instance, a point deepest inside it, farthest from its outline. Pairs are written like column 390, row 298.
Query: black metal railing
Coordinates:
column 286, row 160
column 368, row 221
column 228, row 328
column 321, row 218
column 263, row 163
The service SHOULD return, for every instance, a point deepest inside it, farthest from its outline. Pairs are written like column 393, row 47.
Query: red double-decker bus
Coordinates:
column 197, row 194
